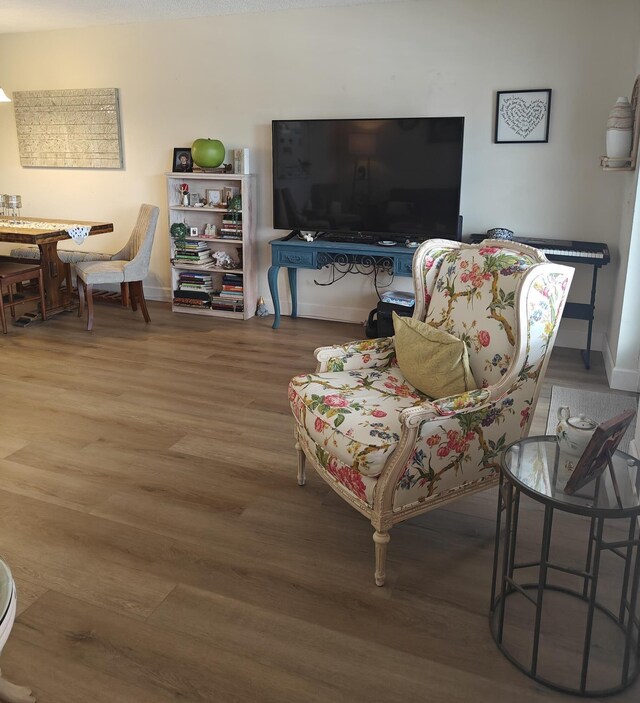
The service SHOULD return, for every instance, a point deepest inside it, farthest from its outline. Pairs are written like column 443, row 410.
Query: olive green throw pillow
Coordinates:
column 435, row 362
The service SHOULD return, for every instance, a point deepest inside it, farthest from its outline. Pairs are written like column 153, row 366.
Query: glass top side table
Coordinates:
column 567, row 618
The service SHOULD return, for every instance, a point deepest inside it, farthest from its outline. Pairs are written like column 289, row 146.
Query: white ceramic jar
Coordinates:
column 619, row 132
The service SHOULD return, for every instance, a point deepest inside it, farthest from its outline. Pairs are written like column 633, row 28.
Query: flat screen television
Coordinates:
column 378, row 179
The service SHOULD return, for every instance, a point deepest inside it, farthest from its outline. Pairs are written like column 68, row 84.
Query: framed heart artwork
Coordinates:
column 522, row 116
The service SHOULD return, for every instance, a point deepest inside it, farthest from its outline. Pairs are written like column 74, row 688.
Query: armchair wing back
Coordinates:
column 388, row 449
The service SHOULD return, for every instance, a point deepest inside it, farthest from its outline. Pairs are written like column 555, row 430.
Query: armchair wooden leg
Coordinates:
column 381, row 540
column 302, row 478
column 10, row 693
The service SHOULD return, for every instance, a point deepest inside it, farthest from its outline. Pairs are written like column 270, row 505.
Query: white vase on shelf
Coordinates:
column 619, row 133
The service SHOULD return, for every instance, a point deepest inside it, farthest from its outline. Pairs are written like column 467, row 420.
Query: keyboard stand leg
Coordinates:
column 586, row 353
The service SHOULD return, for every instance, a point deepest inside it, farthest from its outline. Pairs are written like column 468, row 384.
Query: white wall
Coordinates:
column 228, row 77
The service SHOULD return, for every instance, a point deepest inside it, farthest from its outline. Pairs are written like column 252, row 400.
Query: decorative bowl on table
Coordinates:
column 500, row 233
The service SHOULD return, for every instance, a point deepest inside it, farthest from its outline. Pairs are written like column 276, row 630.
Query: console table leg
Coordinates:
column 272, row 277
column 293, row 287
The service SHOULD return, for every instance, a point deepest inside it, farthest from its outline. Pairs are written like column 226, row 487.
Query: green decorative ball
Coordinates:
column 207, row 153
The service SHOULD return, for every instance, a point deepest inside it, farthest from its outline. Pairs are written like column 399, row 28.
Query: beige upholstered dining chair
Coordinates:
column 390, row 446
column 129, row 267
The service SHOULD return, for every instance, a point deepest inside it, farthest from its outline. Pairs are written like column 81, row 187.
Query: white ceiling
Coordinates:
column 39, row 15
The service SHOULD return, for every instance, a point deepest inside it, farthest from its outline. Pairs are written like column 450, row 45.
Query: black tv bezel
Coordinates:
column 454, row 236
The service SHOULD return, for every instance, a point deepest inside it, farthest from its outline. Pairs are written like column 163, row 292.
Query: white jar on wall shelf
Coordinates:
column 619, row 132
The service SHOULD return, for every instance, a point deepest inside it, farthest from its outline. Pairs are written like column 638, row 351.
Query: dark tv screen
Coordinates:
column 388, row 177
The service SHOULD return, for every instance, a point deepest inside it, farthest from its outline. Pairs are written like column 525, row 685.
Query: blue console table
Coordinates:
column 297, row 254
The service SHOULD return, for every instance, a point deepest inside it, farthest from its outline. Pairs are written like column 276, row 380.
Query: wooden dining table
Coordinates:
column 45, row 234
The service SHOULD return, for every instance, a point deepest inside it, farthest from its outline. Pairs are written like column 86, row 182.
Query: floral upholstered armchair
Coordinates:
column 387, row 448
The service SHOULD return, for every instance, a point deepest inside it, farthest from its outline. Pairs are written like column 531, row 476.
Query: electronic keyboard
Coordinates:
column 567, row 250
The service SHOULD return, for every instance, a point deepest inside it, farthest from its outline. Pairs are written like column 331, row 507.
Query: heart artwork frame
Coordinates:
column 522, row 116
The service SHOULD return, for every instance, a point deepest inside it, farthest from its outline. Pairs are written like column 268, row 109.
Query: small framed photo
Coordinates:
column 522, row 116
column 214, row 198
column 597, row 455
column 193, row 231
column 194, row 199
column 182, row 162
column 228, row 193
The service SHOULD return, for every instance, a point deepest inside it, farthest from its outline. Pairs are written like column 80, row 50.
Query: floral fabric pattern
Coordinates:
column 464, row 448
column 473, row 298
column 362, row 354
column 349, row 479
column 352, row 413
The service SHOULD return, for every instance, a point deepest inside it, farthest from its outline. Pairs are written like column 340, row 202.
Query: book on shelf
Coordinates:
column 193, row 250
column 195, row 276
column 200, row 169
column 192, row 299
column 189, row 264
column 195, row 246
column 199, row 253
column 187, row 303
column 194, row 287
column 231, row 306
column 194, row 259
column 199, row 295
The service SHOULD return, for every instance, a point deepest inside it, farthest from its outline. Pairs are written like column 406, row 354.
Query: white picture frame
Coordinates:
column 214, row 197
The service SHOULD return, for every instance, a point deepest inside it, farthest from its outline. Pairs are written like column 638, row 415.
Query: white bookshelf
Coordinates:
column 241, row 250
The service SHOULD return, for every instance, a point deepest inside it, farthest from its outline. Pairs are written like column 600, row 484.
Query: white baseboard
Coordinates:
column 620, row 379
column 576, row 339
column 570, row 338
column 159, row 293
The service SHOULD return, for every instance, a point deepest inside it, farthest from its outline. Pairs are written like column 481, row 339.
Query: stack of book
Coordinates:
column 192, row 252
column 231, row 297
column 231, row 226
column 192, row 298
column 195, row 281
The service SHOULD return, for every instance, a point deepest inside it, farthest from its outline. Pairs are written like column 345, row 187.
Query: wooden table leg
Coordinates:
column 53, row 270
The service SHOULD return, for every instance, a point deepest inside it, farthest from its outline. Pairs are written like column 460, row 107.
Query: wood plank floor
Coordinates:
column 163, row 551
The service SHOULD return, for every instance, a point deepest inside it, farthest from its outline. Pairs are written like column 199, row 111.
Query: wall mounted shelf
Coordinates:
column 630, row 163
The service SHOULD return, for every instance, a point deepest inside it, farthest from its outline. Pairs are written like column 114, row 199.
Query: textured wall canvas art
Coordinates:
column 69, row 128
